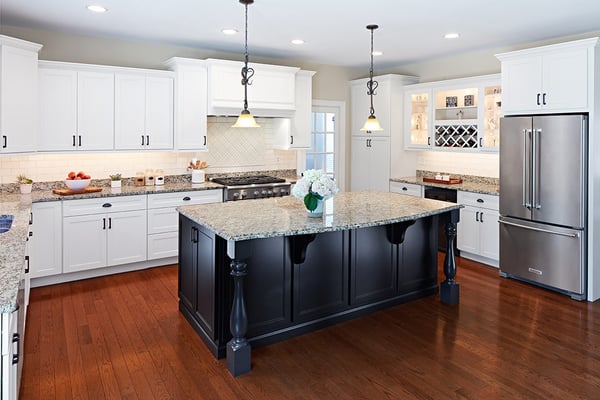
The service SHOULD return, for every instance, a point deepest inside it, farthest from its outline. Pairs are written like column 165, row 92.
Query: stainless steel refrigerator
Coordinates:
column 543, row 197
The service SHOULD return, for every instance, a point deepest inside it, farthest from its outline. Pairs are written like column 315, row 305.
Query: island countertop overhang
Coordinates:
column 286, row 216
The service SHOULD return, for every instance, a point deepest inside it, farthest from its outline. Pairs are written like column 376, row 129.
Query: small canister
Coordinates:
column 159, row 177
column 198, row 176
column 139, row 180
column 149, row 177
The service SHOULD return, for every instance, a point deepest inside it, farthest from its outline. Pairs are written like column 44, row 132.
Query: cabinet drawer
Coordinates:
column 407, row 188
column 163, row 245
column 160, row 200
column 162, row 220
column 103, row 205
column 478, row 200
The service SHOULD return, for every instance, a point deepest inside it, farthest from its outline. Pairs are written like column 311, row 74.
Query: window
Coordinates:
column 322, row 152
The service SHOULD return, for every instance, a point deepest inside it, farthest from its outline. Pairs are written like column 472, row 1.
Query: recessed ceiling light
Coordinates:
column 377, row 53
column 96, row 8
column 297, row 41
column 229, row 31
column 451, row 35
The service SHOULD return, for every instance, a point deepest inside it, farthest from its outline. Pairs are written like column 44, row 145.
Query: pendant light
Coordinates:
column 371, row 124
column 246, row 120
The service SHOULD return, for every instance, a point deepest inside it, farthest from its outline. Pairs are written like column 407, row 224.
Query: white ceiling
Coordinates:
column 334, row 30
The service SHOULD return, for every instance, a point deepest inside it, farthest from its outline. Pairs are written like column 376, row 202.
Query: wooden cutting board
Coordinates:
column 67, row 191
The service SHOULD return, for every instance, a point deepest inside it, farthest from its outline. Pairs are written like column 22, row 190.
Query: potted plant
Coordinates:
column 115, row 181
column 25, row 184
column 315, row 187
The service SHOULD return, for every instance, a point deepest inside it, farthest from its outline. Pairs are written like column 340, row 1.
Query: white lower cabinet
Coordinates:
column 411, row 189
column 163, row 219
column 477, row 231
column 103, row 232
column 46, row 239
column 10, row 379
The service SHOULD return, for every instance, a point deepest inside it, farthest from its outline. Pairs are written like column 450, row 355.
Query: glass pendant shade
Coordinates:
column 371, row 124
column 245, row 120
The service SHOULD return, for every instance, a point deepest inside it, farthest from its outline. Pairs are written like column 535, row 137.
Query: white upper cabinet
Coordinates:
column 18, row 95
column 76, row 108
column 271, row 92
column 143, row 111
column 555, row 78
column 190, row 103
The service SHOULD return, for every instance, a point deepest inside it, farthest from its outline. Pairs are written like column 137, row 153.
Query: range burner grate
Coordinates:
column 248, row 180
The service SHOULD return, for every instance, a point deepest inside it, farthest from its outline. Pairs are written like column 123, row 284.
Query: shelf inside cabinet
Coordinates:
column 457, row 136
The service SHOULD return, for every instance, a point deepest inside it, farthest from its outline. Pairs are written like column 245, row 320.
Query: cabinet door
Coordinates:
column 188, row 245
column 18, row 100
column 159, row 112
column 301, row 122
column 468, row 230
column 489, row 234
column 58, row 110
column 46, row 241
column 418, row 112
column 379, row 163
column 360, row 164
column 95, row 110
column 130, row 111
column 84, row 242
column 565, row 80
column 126, row 237
column 521, row 84
column 191, row 107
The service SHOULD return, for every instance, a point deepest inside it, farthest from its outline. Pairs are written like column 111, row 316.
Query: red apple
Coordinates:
column 71, row 175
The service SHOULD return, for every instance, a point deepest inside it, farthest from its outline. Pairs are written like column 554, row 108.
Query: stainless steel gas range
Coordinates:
column 253, row 187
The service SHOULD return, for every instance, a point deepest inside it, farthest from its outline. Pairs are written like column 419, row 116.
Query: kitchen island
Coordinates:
column 260, row 271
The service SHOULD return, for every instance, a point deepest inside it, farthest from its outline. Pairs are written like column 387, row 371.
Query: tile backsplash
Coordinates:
column 230, row 150
column 479, row 164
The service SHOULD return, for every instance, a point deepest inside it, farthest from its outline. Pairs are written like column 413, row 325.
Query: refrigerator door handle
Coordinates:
column 572, row 235
column 524, row 177
column 535, row 170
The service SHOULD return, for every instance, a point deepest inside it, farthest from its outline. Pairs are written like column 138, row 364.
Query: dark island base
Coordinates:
column 298, row 284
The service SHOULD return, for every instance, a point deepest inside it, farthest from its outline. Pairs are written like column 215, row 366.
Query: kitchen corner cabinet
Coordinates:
column 454, row 114
column 46, row 241
column 549, row 79
column 191, row 91
column 477, row 232
column 294, row 134
column 103, row 232
column 18, row 95
column 76, row 107
column 370, row 152
column 271, row 93
column 144, row 111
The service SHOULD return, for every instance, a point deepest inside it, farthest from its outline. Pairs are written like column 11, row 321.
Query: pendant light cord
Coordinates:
column 247, row 73
column 371, row 84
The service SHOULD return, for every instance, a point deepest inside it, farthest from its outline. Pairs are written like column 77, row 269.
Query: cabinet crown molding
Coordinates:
column 591, row 42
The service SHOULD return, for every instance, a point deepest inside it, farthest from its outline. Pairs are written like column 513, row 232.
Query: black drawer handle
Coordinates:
column 16, row 339
column 27, row 267
column 186, row 198
column 480, row 200
column 106, row 205
column 405, row 188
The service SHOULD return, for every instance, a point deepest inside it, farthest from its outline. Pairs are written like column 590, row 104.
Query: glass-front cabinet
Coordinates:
column 456, row 114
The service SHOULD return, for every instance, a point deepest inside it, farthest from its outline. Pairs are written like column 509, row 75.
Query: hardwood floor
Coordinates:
column 122, row 337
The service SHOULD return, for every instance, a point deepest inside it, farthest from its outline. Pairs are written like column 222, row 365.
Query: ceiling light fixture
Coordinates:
column 451, row 35
column 298, row 41
column 229, row 31
column 246, row 120
column 371, row 124
column 97, row 8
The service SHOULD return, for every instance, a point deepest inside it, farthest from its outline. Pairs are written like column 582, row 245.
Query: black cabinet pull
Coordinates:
column 79, row 140
column 103, row 223
column 5, row 139
column 194, row 235
column 16, row 338
column 142, row 140
column 109, row 223
column 538, row 99
column 480, row 142
column 481, row 217
column 27, row 267
column 405, row 188
column 428, row 141
column 544, row 99
column 480, row 200
column 186, row 198
column 291, row 139
column 106, row 205
column 204, row 140
column 477, row 216
column 30, row 218
column 147, row 140
column 74, row 141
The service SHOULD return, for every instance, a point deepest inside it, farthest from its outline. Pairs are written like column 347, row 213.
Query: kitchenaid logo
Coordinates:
column 535, row 271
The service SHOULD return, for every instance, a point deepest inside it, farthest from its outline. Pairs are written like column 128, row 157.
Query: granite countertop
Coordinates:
column 284, row 216
column 483, row 187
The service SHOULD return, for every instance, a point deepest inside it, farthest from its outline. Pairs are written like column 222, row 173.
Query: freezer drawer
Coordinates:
column 544, row 254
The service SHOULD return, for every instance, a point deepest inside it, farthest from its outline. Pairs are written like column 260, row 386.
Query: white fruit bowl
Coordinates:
column 77, row 184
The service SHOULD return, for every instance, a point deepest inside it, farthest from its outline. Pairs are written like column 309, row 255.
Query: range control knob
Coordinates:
column 243, row 194
column 236, row 195
column 264, row 192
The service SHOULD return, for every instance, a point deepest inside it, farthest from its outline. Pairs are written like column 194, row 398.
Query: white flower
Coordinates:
column 316, row 183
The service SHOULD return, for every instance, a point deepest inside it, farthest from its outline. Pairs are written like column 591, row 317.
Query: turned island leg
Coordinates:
column 238, row 348
column 449, row 288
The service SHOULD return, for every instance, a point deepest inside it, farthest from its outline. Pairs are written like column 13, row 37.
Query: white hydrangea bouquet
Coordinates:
column 314, row 186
